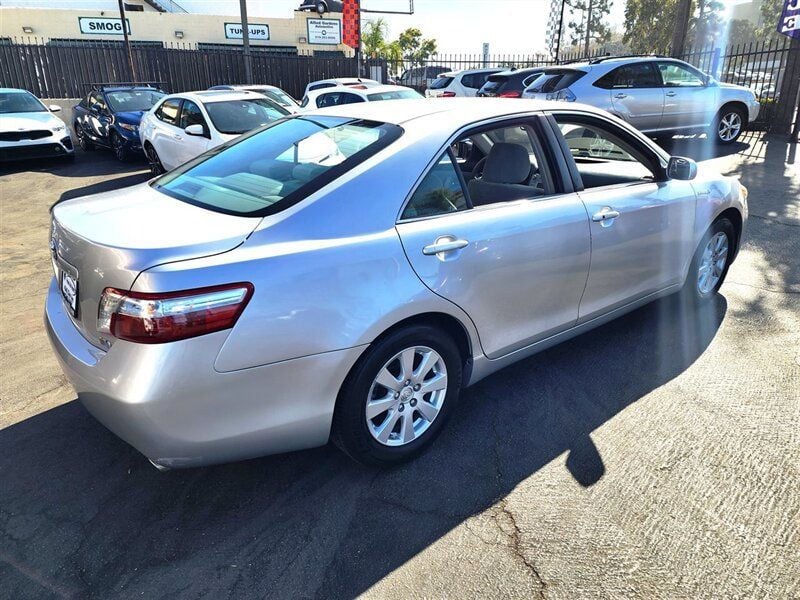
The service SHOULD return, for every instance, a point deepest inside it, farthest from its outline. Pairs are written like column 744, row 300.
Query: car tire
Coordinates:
column 156, row 168
column 118, row 147
column 360, row 423
column 728, row 125
column 711, row 262
column 85, row 144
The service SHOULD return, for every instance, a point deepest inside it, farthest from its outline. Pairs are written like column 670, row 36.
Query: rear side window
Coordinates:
column 168, row 111
column 441, row 82
column 634, row 75
column 439, row 193
column 337, row 98
column 494, row 83
column 270, row 169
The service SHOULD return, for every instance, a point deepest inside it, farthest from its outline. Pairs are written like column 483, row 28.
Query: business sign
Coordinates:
column 789, row 23
column 259, row 31
column 324, row 31
column 100, row 26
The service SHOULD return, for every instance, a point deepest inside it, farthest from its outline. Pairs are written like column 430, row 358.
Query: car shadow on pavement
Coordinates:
column 83, row 514
column 86, row 164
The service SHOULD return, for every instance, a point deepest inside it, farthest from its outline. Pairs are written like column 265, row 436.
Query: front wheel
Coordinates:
column 156, row 168
column 118, row 146
column 711, row 261
column 728, row 125
column 84, row 142
column 398, row 397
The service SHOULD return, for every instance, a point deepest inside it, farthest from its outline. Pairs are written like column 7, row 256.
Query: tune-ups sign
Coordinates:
column 789, row 23
column 98, row 26
column 258, row 31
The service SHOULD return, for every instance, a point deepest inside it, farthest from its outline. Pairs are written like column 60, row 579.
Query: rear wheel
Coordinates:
column 728, row 125
column 156, row 168
column 398, row 397
column 711, row 262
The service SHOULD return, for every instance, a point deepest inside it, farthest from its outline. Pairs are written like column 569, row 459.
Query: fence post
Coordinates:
column 786, row 109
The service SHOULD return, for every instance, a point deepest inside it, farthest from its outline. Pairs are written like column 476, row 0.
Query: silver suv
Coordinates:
column 659, row 96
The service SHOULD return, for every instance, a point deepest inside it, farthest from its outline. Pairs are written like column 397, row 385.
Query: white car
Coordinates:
column 350, row 95
column 183, row 126
column 459, row 83
column 29, row 129
column 348, row 81
column 272, row 92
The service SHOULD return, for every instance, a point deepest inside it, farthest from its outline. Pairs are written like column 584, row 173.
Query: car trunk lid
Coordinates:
column 107, row 239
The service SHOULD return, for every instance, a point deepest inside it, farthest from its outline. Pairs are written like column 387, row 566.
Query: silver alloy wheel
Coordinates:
column 712, row 263
column 729, row 126
column 406, row 396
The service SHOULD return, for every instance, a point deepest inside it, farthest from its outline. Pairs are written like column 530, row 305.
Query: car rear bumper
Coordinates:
column 168, row 402
column 42, row 148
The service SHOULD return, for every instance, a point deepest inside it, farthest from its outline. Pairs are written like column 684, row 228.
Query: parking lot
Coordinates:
column 656, row 456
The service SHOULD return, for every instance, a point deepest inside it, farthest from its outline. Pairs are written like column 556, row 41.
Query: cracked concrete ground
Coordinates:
column 655, row 457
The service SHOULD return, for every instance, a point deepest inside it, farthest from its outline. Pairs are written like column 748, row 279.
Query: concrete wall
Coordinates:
column 160, row 27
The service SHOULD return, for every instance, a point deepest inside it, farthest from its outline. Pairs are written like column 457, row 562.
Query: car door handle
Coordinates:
column 620, row 95
column 605, row 214
column 446, row 245
column 670, row 94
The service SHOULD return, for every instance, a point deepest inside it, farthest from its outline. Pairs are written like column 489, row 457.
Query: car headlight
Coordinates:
column 128, row 127
column 59, row 128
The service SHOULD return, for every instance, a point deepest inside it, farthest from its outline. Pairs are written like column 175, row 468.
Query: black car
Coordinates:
column 109, row 116
column 509, row 84
column 322, row 6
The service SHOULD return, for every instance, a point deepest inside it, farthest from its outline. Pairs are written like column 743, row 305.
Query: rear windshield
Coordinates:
column 494, row 83
column 394, row 95
column 441, row 82
column 553, row 81
column 274, row 167
column 237, row 116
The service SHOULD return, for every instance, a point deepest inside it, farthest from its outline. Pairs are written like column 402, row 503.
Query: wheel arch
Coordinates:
column 735, row 104
column 735, row 217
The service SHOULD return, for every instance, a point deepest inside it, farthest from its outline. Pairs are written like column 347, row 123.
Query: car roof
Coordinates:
column 240, row 86
column 210, row 96
column 127, row 88
column 469, row 71
column 6, row 90
column 375, row 89
column 524, row 71
column 450, row 113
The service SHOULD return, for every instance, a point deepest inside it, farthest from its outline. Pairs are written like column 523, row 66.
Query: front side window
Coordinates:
column 133, row 100
column 602, row 154
column 270, row 169
column 20, row 102
column 169, row 110
column 634, row 75
column 678, row 75
column 237, row 116
column 97, row 102
column 440, row 192
column 191, row 115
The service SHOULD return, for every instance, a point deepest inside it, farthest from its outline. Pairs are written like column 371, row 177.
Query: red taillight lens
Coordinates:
column 447, row 95
column 156, row 318
column 510, row 94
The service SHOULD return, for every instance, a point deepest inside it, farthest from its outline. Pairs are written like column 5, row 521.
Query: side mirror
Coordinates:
column 195, row 129
column 54, row 108
column 682, row 168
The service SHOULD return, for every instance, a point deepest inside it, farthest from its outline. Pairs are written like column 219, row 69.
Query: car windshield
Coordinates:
column 394, row 95
column 237, row 116
column 133, row 100
column 20, row 102
column 272, row 168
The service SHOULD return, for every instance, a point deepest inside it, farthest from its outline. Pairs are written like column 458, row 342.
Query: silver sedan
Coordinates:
column 342, row 274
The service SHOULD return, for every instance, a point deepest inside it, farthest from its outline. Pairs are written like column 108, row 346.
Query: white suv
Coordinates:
column 659, row 96
column 459, row 83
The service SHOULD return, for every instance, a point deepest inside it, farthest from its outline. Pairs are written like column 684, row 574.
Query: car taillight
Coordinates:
column 510, row 94
column 156, row 318
column 447, row 95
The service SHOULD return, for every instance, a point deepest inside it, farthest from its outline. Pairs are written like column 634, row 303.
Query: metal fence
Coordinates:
column 58, row 70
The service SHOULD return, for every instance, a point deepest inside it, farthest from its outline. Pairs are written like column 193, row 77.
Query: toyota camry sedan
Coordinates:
column 342, row 274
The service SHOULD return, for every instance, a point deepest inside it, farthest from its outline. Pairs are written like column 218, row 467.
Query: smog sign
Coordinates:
column 324, row 31
column 258, row 31
column 99, row 26
column 789, row 23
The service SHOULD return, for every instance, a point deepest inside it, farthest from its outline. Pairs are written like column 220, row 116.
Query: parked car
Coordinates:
column 509, row 84
column 109, row 117
column 344, row 273
column 183, row 126
column 357, row 82
column 353, row 95
column 459, row 83
column 272, row 92
column 29, row 129
column 322, row 6
column 657, row 95
column 421, row 78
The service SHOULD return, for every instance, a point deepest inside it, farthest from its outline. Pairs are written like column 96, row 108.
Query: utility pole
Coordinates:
column 588, row 30
column 127, row 41
column 681, row 27
column 248, row 65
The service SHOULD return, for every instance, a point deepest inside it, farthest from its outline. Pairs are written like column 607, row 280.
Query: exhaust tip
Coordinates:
column 161, row 468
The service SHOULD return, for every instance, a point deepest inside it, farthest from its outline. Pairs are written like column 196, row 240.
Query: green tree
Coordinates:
column 649, row 24
column 594, row 20
column 741, row 31
column 373, row 37
column 770, row 11
column 414, row 48
column 706, row 26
